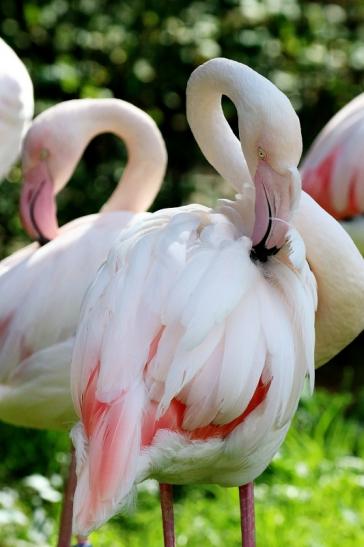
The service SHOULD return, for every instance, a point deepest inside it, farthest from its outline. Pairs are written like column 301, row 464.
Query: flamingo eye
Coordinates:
column 261, row 153
column 44, row 154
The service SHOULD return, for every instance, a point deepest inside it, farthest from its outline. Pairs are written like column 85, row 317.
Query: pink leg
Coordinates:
column 166, row 495
column 246, row 495
column 65, row 528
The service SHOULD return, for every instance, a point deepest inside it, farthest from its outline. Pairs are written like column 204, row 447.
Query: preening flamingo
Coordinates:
column 42, row 287
column 16, row 106
column 333, row 169
column 198, row 332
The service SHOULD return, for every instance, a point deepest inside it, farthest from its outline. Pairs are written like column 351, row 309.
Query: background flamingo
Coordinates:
column 42, row 288
column 333, row 169
column 186, row 297
column 16, row 106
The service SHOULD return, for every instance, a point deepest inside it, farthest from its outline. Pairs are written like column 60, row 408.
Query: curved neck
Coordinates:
column 210, row 128
column 269, row 147
column 147, row 156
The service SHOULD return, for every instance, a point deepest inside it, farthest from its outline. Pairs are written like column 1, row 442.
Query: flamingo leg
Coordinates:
column 65, row 527
column 166, row 496
column 246, row 496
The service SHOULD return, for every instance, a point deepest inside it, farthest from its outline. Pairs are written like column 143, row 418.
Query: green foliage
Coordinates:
column 310, row 496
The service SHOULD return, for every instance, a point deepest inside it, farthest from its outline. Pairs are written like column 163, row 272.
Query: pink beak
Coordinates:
column 37, row 204
column 275, row 199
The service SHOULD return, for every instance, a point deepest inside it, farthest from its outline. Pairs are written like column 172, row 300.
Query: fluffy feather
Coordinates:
column 39, row 315
column 220, row 335
column 195, row 380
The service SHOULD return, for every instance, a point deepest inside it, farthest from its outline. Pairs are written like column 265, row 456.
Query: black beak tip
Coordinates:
column 42, row 240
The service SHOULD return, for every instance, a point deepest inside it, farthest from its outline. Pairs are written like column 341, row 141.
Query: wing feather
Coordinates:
column 200, row 394
column 185, row 365
column 240, row 368
column 233, row 266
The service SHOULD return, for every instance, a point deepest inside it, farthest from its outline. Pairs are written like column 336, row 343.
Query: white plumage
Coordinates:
column 224, row 323
column 39, row 313
column 196, row 336
column 192, row 352
column 42, row 287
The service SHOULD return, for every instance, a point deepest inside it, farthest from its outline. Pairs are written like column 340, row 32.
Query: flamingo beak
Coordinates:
column 37, row 204
column 277, row 196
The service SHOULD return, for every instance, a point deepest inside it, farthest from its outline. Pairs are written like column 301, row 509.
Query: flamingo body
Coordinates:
column 43, row 287
column 333, row 171
column 198, row 332
column 44, row 291
column 16, row 106
column 198, row 377
column 338, row 268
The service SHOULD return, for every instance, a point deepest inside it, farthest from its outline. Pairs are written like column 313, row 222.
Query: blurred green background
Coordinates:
column 144, row 52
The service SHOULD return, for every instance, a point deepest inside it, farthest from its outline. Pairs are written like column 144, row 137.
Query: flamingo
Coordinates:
column 42, row 287
column 198, row 332
column 16, row 106
column 333, row 171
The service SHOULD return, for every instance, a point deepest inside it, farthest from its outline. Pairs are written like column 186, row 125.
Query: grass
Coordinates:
column 312, row 495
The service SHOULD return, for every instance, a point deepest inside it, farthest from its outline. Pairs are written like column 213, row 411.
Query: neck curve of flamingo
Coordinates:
column 56, row 141
column 263, row 156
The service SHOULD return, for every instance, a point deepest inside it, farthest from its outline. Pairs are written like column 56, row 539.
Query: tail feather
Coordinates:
column 111, row 442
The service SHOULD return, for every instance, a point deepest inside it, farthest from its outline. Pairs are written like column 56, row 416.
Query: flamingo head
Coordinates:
column 270, row 138
column 277, row 192
column 271, row 141
column 50, row 153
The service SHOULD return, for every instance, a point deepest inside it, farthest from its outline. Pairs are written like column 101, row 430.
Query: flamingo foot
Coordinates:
column 65, row 528
column 166, row 495
column 246, row 495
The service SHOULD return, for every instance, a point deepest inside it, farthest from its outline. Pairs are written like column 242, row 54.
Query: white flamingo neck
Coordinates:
column 265, row 116
column 209, row 126
column 147, row 157
column 268, row 125
column 67, row 128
